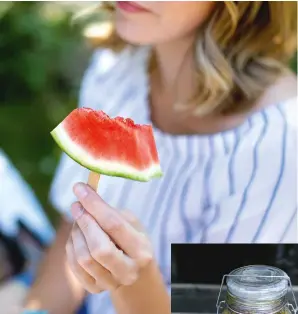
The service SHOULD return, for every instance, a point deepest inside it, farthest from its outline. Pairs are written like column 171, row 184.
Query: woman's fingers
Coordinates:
column 84, row 278
column 132, row 220
column 101, row 275
column 132, row 242
column 100, row 248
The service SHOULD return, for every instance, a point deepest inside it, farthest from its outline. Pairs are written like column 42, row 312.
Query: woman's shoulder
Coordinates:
column 283, row 91
column 275, row 125
column 278, row 108
column 261, row 154
column 283, row 96
column 271, row 132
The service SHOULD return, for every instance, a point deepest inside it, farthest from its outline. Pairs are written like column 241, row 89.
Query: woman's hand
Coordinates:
column 107, row 248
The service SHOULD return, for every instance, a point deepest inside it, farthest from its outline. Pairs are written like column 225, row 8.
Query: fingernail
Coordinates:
column 80, row 190
column 77, row 211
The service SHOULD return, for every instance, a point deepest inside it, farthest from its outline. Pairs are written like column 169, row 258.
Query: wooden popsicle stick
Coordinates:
column 93, row 180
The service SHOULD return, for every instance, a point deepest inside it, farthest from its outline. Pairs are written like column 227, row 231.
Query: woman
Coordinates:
column 222, row 103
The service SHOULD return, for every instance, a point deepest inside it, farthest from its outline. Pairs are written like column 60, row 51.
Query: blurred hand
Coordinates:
column 106, row 248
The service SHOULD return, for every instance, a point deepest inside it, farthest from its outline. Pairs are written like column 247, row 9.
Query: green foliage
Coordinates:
column 294, row 64
column 33, row 51
column 42, row 58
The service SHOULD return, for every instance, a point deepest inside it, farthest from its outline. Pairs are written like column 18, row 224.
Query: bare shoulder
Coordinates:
column 284, row 92
column 283, row 89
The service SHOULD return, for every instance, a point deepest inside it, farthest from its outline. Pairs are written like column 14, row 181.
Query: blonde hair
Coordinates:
column 242, row 49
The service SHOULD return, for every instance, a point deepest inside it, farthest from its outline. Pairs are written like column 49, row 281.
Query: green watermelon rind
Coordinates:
column 102, row 170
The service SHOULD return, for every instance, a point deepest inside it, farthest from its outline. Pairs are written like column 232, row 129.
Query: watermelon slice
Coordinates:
column 115, row 147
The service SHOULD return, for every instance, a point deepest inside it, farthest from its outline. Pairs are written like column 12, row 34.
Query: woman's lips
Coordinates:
column 130, row 6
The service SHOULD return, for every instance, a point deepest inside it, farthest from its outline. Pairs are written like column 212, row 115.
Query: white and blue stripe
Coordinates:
column 235, row 186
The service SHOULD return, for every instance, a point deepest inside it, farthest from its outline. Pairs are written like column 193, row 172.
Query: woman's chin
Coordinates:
column 133, row 36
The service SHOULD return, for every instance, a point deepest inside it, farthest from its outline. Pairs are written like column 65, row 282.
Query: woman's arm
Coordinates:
column 147, row 295
column 56, row 289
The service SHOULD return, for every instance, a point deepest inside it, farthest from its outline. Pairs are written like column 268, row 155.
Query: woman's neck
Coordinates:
column 175, row 62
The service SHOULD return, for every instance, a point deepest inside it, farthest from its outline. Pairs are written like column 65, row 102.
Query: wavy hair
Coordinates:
column 243, row 48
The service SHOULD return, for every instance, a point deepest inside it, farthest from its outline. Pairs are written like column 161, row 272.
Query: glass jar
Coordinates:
column 257, row 290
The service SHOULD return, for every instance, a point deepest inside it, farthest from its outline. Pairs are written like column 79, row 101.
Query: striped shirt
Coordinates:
column 235, row 186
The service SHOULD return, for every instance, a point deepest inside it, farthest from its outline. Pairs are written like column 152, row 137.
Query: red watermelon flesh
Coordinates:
column 111, row 146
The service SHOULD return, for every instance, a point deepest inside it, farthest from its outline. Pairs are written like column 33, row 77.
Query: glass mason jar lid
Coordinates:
column 251, row 286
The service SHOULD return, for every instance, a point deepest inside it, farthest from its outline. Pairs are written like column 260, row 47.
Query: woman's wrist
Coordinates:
column 149, row 273
column 147, row 295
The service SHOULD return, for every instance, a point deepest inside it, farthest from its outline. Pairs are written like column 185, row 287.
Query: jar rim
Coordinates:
column 258, row 283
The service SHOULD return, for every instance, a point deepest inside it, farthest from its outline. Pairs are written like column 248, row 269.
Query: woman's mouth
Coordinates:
column 130, row 7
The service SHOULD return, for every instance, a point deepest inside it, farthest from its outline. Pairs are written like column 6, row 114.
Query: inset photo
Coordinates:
column 234, row 278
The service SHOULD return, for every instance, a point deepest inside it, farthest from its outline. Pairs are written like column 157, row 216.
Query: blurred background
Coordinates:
column 42, row 59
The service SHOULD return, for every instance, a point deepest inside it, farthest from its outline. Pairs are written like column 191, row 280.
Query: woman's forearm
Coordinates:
column 148, row 295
